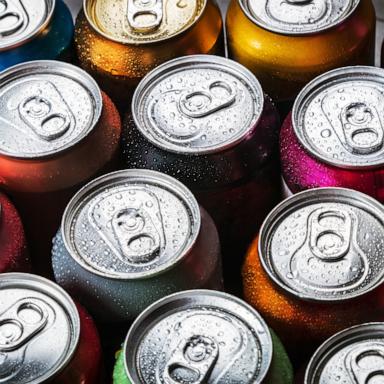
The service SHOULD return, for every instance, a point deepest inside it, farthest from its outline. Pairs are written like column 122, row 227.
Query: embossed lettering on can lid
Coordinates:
column 131, row 224
column 298, row 17
column 39, row 329
column 338, row 117
column 142, row 21
column 325, row 244
column 198, row 336
column 197, row 104
column 353, row 356
column 46, row 107
column 22, row 20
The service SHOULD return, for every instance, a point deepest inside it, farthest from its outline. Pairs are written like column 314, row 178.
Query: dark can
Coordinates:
column 134, row 236
column 34, row 30
column 44, row 335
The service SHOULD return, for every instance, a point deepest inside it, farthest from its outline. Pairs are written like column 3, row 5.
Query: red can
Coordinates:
column 45, row 336
column 334, row 136
column 13, row 247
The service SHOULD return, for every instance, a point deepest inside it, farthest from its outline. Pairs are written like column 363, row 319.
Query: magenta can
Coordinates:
column 335, row 134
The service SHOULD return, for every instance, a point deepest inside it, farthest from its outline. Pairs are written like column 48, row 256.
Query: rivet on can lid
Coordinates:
column 297, row 17
column 198, row 337
column 21, row 20
column 197, row 104
column 39, row 329
column 131, row 224
column 46, row 107
column 324, row 244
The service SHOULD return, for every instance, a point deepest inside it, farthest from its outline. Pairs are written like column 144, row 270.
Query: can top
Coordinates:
column 298, row 17
column 142, row 21
column 197, row 104
column 46, row 107
column 198, row 337
column 21, row 21
column 131, row 224
column 338, row 117
column 325, row 244
column 39, row 329
column 353, row 356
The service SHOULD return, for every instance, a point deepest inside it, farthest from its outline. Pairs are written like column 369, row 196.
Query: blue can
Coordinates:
column 34, row 30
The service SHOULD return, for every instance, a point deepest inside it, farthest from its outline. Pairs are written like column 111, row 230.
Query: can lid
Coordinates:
column 325, row 244
column 298, row 17
column 353, row 356
column 142, row 21
column 21, row 21
column 131, row 224
column 198, row 336
column 46, row 107
column 197, row 104
column 338, row 117
column 39, row 329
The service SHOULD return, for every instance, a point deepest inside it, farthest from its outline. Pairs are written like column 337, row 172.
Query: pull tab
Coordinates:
column 192, row 361
column 45, row 111
column 366, row 363
column 362, row 128
column 145, row 15
column 220, row 95
column 12, row 18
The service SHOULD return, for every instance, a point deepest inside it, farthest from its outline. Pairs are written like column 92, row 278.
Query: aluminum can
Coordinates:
column 45, row 336
column 206, row 121
column 202, row 336
column 34, row 30
column 57, row 131
column 353, row 356
column 335, row 134
column 316, row 266
column 288, row 43
column 120, row 42
column 13, row 247
column 135, row 236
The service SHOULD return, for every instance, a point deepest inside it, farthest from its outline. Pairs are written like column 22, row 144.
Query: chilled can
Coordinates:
column 335, row 134
column 316, row 266
column 206, row 121
column 45, row 336
column 34, row 30
column 202, row 336
column 134, row 236
column 353, row 356
column 288, row 43
column 120, row 42
column 13, row 247
column 57, row 131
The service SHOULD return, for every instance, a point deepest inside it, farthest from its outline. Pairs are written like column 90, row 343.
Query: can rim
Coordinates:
column 120, row 41
column 172, row 66
column 58, row 294
column 180, row 295
column 301, row 34
column 288, row 205
column 319, row 84
column 165, row 180
column 60, row 69
column 346, row 336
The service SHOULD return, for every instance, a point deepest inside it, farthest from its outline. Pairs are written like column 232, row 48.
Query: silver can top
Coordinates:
column 197, row 104
column 131, row 224
column 21, row 21
column 338, row 117
column 353, row 356
column 46, row 107
column 198, row 337
column 39, row 329
column 298, row 17
column 325, row 244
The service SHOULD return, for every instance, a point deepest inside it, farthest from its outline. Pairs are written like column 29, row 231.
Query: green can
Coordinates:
column 201, row 336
